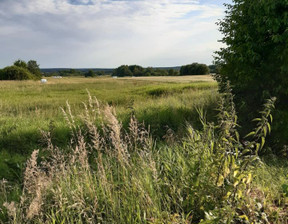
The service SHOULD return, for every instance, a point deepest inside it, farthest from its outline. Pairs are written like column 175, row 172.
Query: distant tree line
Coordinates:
column 21, row 70
column 91, row 73
column 74, row 72
column 137, row 70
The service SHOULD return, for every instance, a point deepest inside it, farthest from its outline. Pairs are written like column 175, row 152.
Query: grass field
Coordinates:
column 95, row 173
column 26, row 107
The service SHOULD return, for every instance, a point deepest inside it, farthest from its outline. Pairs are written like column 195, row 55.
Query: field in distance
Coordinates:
column 188, row 78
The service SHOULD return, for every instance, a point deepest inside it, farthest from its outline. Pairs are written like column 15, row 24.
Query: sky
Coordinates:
column 109, row 33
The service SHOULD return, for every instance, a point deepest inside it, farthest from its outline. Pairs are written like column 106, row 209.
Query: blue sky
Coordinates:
column 109, row 33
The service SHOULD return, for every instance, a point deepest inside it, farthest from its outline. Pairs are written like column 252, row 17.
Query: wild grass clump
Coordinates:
column 109, row 175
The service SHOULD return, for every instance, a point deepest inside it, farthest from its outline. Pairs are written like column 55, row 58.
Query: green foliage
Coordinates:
column 123, row 70
column 21, row 71
column 136, row 70
column 255, row 59
column 90, row 73
column 20, row 63
column 33, row 67
column 69, row 72
column 15, row 73
column 194, row 69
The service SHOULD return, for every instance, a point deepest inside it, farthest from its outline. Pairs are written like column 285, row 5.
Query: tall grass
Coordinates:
column 112, row 175
column 27, row 107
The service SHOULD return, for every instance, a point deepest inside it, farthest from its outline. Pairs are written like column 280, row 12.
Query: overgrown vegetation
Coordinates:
column 21, row 70
column 255, row 60
column 109, row 175
column 162, row 105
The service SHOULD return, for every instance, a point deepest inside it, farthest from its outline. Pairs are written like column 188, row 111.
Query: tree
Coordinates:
column 194, row 69
column 34, row 68
column 137, row 70
column 20, row 63
column 255, row 59
column 90, row 73
column 123, row 70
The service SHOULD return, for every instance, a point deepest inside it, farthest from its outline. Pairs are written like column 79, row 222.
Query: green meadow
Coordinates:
column 29, row 107
column 134, row 150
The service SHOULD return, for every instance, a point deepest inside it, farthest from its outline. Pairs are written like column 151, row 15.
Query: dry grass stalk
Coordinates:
column 115, row 135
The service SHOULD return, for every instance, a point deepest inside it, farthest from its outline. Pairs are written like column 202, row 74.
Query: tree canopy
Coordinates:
column 255, row 59
column 194, row 69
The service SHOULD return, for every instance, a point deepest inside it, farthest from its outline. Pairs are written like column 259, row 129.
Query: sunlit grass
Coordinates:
column 27, row 107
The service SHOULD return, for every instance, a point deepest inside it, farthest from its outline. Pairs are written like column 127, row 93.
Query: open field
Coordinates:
column 182, row 79
column 117, row 173
column 26, row 107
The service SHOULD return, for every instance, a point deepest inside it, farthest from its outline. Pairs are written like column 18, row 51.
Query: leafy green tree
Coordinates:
column 20, row 63
column 255, row 59
column 34, row 68
column 90, row 73
column 123, row 70
column 194, row 69
column 137, row 70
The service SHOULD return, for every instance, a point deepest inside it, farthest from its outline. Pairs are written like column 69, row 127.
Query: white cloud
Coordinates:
column 107, row 33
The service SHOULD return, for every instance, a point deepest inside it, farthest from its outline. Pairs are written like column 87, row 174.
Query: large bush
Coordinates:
column 255, row 59
column 21, row 70
column 15, row 73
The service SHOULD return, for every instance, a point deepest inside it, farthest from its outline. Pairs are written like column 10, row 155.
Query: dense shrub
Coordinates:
column 15, row 73
column 21, row 70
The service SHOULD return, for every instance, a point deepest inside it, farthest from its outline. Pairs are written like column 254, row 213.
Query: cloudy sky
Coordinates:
column 109, row 33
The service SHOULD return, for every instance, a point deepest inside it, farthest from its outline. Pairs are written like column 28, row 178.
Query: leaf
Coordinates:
column 244, row 217
column 271, row 118
column 220, row 181
column 236, row 183
column 250, row 134
column 262, row 142
column 257, row 147
column 246, row 151
column 269, row 128
column 249, row 178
